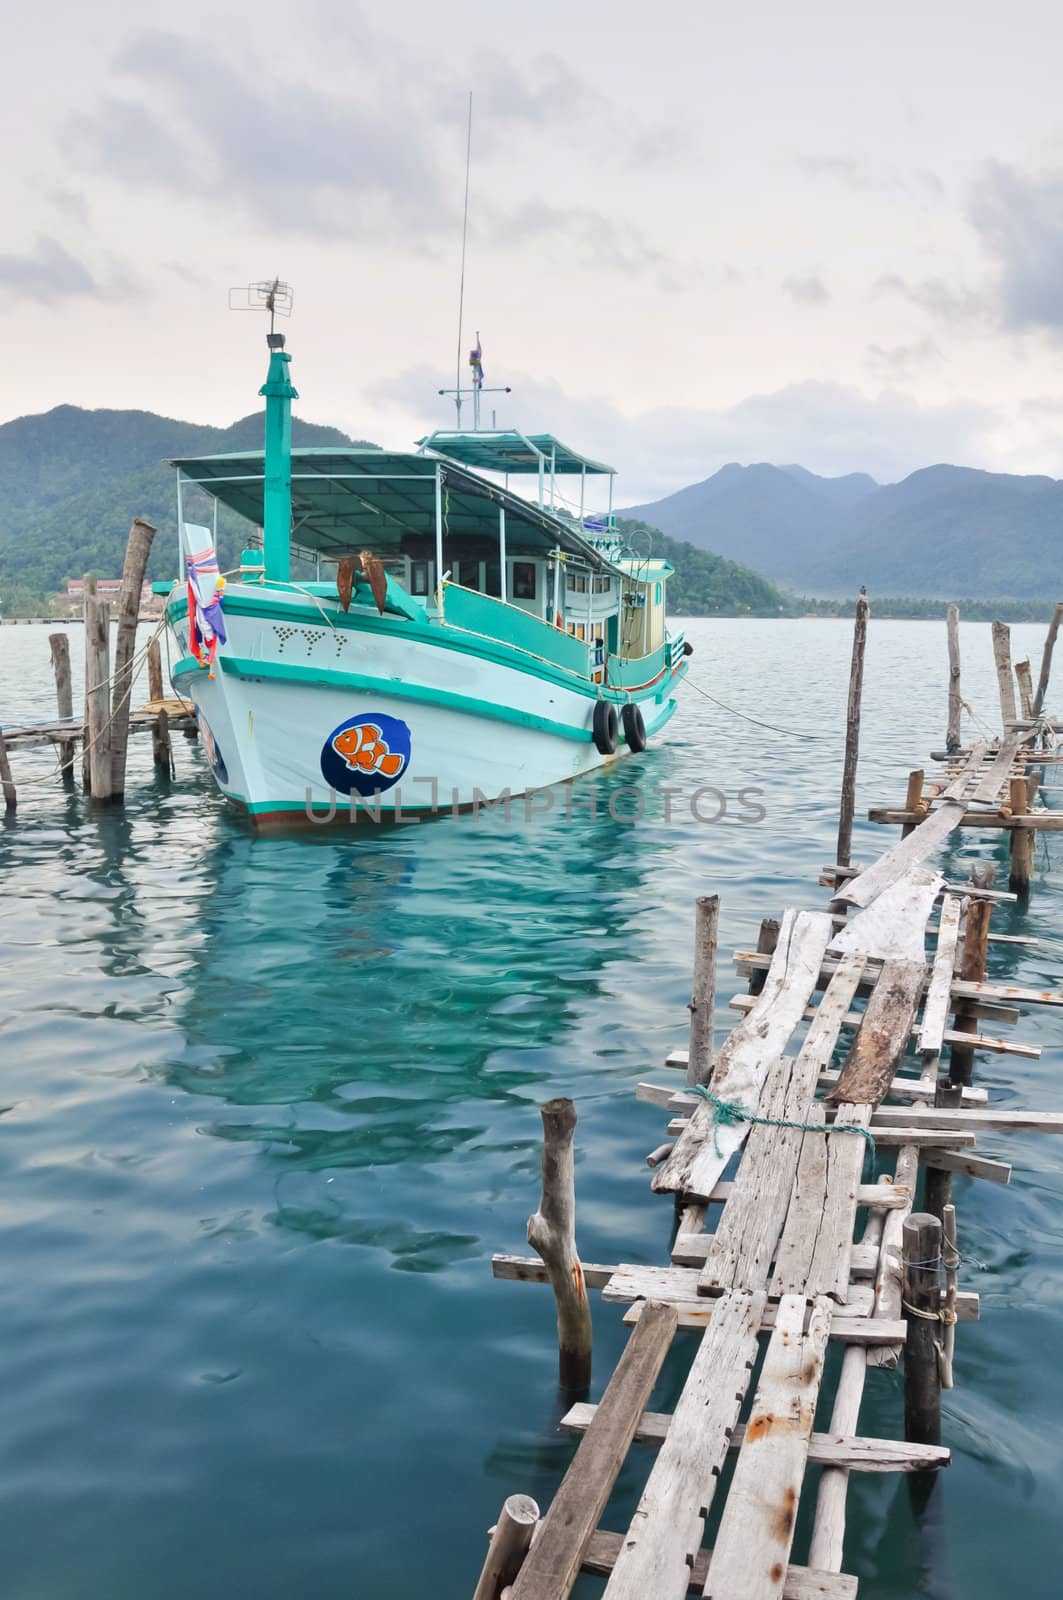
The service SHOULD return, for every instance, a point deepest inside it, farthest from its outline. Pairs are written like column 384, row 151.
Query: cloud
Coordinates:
column 71, row 203
column 854, row 174
column 830, row 428
column 49, row 273
column 902, row 363
column 806, row 290
column 1019, row 220
column 944, row 301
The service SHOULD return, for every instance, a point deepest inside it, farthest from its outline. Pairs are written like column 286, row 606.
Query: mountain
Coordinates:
column 773, row 518
column 72, row 480
column 705, row 584
column 944, row 531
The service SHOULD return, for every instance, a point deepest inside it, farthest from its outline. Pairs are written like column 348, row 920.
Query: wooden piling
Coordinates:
column 852, row 732
column 921, row 1302
column 161, row 747
column 7, row 782
column 913, row 799
column 767, row 939
column 138, row 548
column 952, row 732
column 552, row 1232
column 510, row 1541
column 1046, row 659
column 937, row 1184
column 1005, row 680
column 971, row 970
column 98, row 693
column 155, row 688
column 1020, row 840
column 59, row 644
column 1024, row 680
column 703, row 998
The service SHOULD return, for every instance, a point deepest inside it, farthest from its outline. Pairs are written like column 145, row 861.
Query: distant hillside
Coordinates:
column 944, row 532
column 705, row 584
column 72, row 480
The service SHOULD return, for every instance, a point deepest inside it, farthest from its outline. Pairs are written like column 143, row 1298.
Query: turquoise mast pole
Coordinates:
column 277, row 474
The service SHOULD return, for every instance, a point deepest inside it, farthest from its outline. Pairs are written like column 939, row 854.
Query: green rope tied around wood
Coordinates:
column 728, row 1113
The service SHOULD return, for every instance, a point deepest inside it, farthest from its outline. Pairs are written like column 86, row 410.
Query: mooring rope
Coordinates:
column 727, row 1113
column 791, row 733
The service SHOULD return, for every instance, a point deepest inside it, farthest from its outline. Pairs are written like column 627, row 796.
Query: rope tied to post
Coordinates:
column 729, row 1113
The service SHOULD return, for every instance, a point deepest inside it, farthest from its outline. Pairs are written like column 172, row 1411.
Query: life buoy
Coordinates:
column 634, row 727
column 605, row 727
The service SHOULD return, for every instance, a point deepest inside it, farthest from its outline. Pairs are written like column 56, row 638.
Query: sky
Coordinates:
column 829, row 234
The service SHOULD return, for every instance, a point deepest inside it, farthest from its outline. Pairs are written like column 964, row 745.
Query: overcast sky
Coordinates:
column 827, row 233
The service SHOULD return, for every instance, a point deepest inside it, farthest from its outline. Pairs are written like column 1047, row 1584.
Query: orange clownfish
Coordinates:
column 364, row 749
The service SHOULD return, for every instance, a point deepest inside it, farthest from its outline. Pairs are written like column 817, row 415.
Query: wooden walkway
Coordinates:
column 786, row 1265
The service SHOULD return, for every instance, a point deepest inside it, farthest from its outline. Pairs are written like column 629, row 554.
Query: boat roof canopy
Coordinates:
column 507, row 450
column 344, row 500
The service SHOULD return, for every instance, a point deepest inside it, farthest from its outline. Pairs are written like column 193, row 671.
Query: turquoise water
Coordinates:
column 270, row 1105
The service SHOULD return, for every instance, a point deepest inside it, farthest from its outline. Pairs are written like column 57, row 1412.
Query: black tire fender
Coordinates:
column 605, row 727
column 634, row 727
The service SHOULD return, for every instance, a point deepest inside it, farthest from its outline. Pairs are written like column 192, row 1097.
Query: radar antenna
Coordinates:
column 273, row 296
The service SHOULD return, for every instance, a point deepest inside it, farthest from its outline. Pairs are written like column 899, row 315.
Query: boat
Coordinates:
column 408, row 635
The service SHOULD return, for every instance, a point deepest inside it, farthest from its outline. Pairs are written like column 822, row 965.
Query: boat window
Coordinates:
column 493, row 579
column 469, row 574
column 577, row 583
column 418, row 577
column 524, row 580
column 601, row 585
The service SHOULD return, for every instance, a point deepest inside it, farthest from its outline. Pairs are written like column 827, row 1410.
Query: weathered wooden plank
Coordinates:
column 970, row 1166
column 1038, row 821
column 883, row 1035
column 987, row 998
column 553, row 1563
column 854, row 1452
column 800, row 1583
column 666, row 1530
column 752, row 1548
column 530, row 1269
column 1002, row 660
column 853, row 1019
column 744, row 1243
column 939, row 989
column 816, row 1249
column 746, row 1057
column 887, row 1134
column 844, row 1329
column 893, row 926
column 971, row 1119
column 673, row 1284
column 996, row 775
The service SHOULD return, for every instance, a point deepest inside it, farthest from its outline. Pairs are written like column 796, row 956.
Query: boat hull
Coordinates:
column 313, row 719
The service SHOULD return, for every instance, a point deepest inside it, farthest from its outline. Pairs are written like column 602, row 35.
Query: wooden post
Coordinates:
column 59, row 645
column 552, row 1232
column 1020, row 840
column 703, row 998
column 7, row 782
column 155, row 689
column 972, row 970
column 161, row 748
column 952, row 732
column 86, row 774
column 922, row 1294
column 1046, row 659
column 1005, row 681
column 767, row 939
column 937, row 1183
column 98, row 693
column 852, row 732
column 913, row 799
column 510, row 1539
column 1025, row 682
column 138, row 548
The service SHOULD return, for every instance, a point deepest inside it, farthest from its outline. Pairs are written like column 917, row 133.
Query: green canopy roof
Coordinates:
column 506, row 450
column 345, row 500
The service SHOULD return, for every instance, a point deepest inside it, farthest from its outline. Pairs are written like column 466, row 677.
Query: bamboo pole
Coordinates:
column 59, row 645
column 552, row 1233
column 138, row 548
column 7, row 782
column 921, row 1301
column 852, row 732
column 510, row 1540
column 1005, row 680
column 952, row 732
column 98, row 694
column 1046, row 659
column 703, row 999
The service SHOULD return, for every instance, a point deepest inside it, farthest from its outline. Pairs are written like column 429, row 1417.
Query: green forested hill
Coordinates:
column 71, row 481
column 706, row 585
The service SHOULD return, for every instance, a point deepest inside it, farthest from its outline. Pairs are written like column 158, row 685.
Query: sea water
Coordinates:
column 270, row 1104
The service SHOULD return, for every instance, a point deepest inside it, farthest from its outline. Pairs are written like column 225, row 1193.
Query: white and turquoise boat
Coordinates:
column 491, row 644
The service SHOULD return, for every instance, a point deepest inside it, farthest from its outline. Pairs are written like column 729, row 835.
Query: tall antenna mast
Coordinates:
column 464, row 245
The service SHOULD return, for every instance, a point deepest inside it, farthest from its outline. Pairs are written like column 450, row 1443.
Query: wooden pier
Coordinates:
column 798, row 1155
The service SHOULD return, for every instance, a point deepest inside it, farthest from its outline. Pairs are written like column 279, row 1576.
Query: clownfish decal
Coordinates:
column 366, row 754
column 365, row 749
